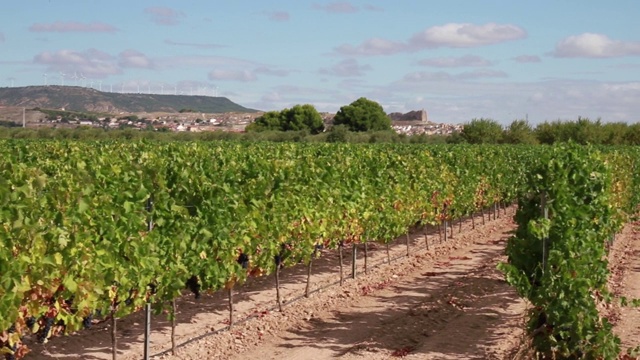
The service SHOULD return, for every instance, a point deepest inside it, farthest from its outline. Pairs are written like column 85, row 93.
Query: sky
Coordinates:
column 459, row 60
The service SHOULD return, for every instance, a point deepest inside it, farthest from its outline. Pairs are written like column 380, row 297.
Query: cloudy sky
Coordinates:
column 458, row 60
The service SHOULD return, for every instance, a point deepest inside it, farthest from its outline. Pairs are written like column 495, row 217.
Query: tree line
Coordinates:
column 365, row 121
column 581, row 131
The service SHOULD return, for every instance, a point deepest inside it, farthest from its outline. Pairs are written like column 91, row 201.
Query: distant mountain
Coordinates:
column 76, row 98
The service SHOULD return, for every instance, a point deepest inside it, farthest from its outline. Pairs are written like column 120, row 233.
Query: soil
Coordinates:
column 445, row 302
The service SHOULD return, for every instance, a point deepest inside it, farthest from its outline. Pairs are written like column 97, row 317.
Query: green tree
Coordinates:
column 298, row 118
column 268, row 121
column 363, row 115
column 519, row 132
column 482, row 131
column 301, row 117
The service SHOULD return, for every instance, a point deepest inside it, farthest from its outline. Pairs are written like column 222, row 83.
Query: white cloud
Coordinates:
column 72, row 27
column 232, row 75
column 92, row 63
column 458, row 101
column 338, row 7
column 591, row 45
column 449, row 35
column 481, row 73
column 374, row 46
column 134, row 59
column 269, row 71
column 346, row 68
column 523, row 59
column 424, row 76
column 164, row 15
column 463, row 61
column 194, row 45
column 466, row 35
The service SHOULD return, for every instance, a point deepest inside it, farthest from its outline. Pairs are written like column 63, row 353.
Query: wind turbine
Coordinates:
column 45, row 79
column 83, row 79
column 62, row 75
column 75, row 78
column 100, row 84
column 11, row 79
column 91, row 84
column 110, row 87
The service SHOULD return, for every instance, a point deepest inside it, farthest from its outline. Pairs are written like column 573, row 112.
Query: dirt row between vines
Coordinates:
column 445, row 302
column 624, row 265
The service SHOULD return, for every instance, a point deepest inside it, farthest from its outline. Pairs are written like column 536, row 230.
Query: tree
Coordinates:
column 363, row 115
column 482, row 131
column 268, row 121
column 519, row 132
column 299, row 117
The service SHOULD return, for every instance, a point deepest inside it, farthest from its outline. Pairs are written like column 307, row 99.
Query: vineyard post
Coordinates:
column 473, row 220
column 495, row 210
column 426, row 236
column 278, row 286
column 460, row 224
column 353, row 260
column 114, row 341
column 440, row 232
column 388, row 254
column 445, row 229
column 408, row 250
column 366, row 255
column 308, row 288
column 451, row 226
column 230, row 290
column 341, row 256
column 147, row 305
column 147, row 329
column 482, row 213
column 545, row 214
column 173, row 326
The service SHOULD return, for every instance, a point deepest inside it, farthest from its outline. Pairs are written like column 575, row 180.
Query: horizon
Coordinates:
column 460, row 60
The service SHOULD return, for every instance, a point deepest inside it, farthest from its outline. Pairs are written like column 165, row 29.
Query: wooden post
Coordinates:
column 354, row 256
column 114, row 341
column 278, row 287
column 408, row 250
column 473, row 220
column 307, row 289
column 173, row 327
column 366, row 254
column 230, row 307
column 426, row 237
column 340, row 247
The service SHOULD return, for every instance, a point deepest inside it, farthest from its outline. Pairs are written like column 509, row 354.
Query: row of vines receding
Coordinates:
column 578, row 198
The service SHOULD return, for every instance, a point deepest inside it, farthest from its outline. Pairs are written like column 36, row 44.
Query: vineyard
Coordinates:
column 99, row 230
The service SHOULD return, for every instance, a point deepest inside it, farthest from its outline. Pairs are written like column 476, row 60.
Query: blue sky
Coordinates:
column 458, row 60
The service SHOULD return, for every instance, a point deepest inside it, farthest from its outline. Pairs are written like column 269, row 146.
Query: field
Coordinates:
column 445, row 303
column 94, row 231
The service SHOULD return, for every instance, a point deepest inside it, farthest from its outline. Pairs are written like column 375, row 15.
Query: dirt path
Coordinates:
column 445, row 307
column 416, row 305
column 625, row 268
column 447, row 302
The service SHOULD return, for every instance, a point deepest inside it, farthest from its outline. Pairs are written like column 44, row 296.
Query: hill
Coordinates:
column 76, row 98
